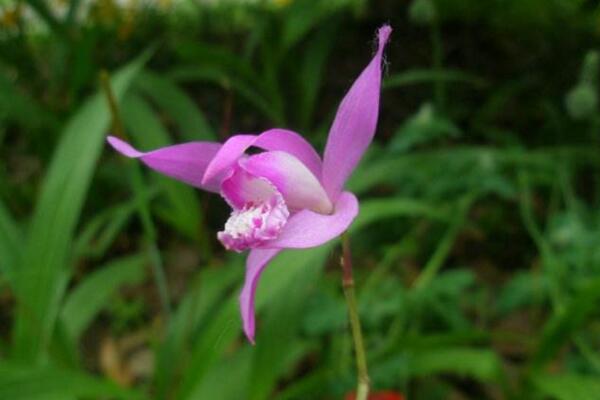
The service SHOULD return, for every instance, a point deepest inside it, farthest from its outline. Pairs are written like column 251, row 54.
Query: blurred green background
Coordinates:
column 477, row 248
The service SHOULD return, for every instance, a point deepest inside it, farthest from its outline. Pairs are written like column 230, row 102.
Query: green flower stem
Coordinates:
column 362, row 391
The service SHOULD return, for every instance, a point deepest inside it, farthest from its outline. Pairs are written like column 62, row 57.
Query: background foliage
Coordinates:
column 477, row 248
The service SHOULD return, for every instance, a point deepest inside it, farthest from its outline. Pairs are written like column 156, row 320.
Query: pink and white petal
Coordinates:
column 355, row 123
column 273, row 139
column 242, row 188
column 309, row 229
column 186, row 162
column 256, row 262
column 299, row 186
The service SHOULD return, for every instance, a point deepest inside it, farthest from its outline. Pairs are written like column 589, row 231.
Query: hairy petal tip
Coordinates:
column 383, row 35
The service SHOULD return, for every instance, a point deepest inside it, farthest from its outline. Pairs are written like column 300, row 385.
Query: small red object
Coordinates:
column 382, row 395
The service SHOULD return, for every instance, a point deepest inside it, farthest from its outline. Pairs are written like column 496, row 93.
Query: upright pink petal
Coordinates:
column 299, row 186
column 255, row 264
column 186, row 162
column 309, row 229
column 274, row 139
column 355, row 122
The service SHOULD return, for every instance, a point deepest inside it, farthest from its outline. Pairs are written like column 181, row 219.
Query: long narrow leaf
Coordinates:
column 477, row 363
column 190, row 121
column 17, row 106
column 96, row 237
column 560, row 328
column 88, row 298
column 217, row 336
column 183, row 206
column 278, row 346
column 568, row 386
column 193, row 312
column 374, row 210
column 246, row 90
column 418, row 76
column 311, row 72
column 26, row 383
column 11, row 246
column 44, row 274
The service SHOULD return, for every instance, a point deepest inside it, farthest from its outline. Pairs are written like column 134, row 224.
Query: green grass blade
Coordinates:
column 11, row 246
column 378, row 209
column 301, row 17
column 163, row 92
column 278, row 347
column 218, row 382
column 218, row 57
column 18, row 107
column 245, row 89
column 311, row 73
column 211, row 289
column 45, row 271
column 445, row 245
column 99, row 233
column 561, row 327
column 421, row 76
column 46, row 14
column 183, row 210
column 391, row 170
column 568, row 386
column 88, row 298
column 27, row 383
column 218, row 335
column 480, row 364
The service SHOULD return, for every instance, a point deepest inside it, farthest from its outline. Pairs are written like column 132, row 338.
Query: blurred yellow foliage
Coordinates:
column 282, row 3
column 164, row 4
column 10, row 17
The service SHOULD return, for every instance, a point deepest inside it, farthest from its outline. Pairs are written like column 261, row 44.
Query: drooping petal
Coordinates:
column 309, row 229
column 274, row 139
column 299, row 186
column 355, row 122
column 255, row 264
column 186, row 162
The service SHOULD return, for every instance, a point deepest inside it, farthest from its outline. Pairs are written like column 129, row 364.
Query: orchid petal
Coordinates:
column 309, row 229
column 228, row 155
column 186, row 162
column 242, row 188
column 257, row 260
column 292, row 143
column 298, row 185
column 273, row 139
column 355, row 122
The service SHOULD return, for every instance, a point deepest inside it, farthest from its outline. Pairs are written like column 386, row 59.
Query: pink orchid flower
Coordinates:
column 284, row 197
